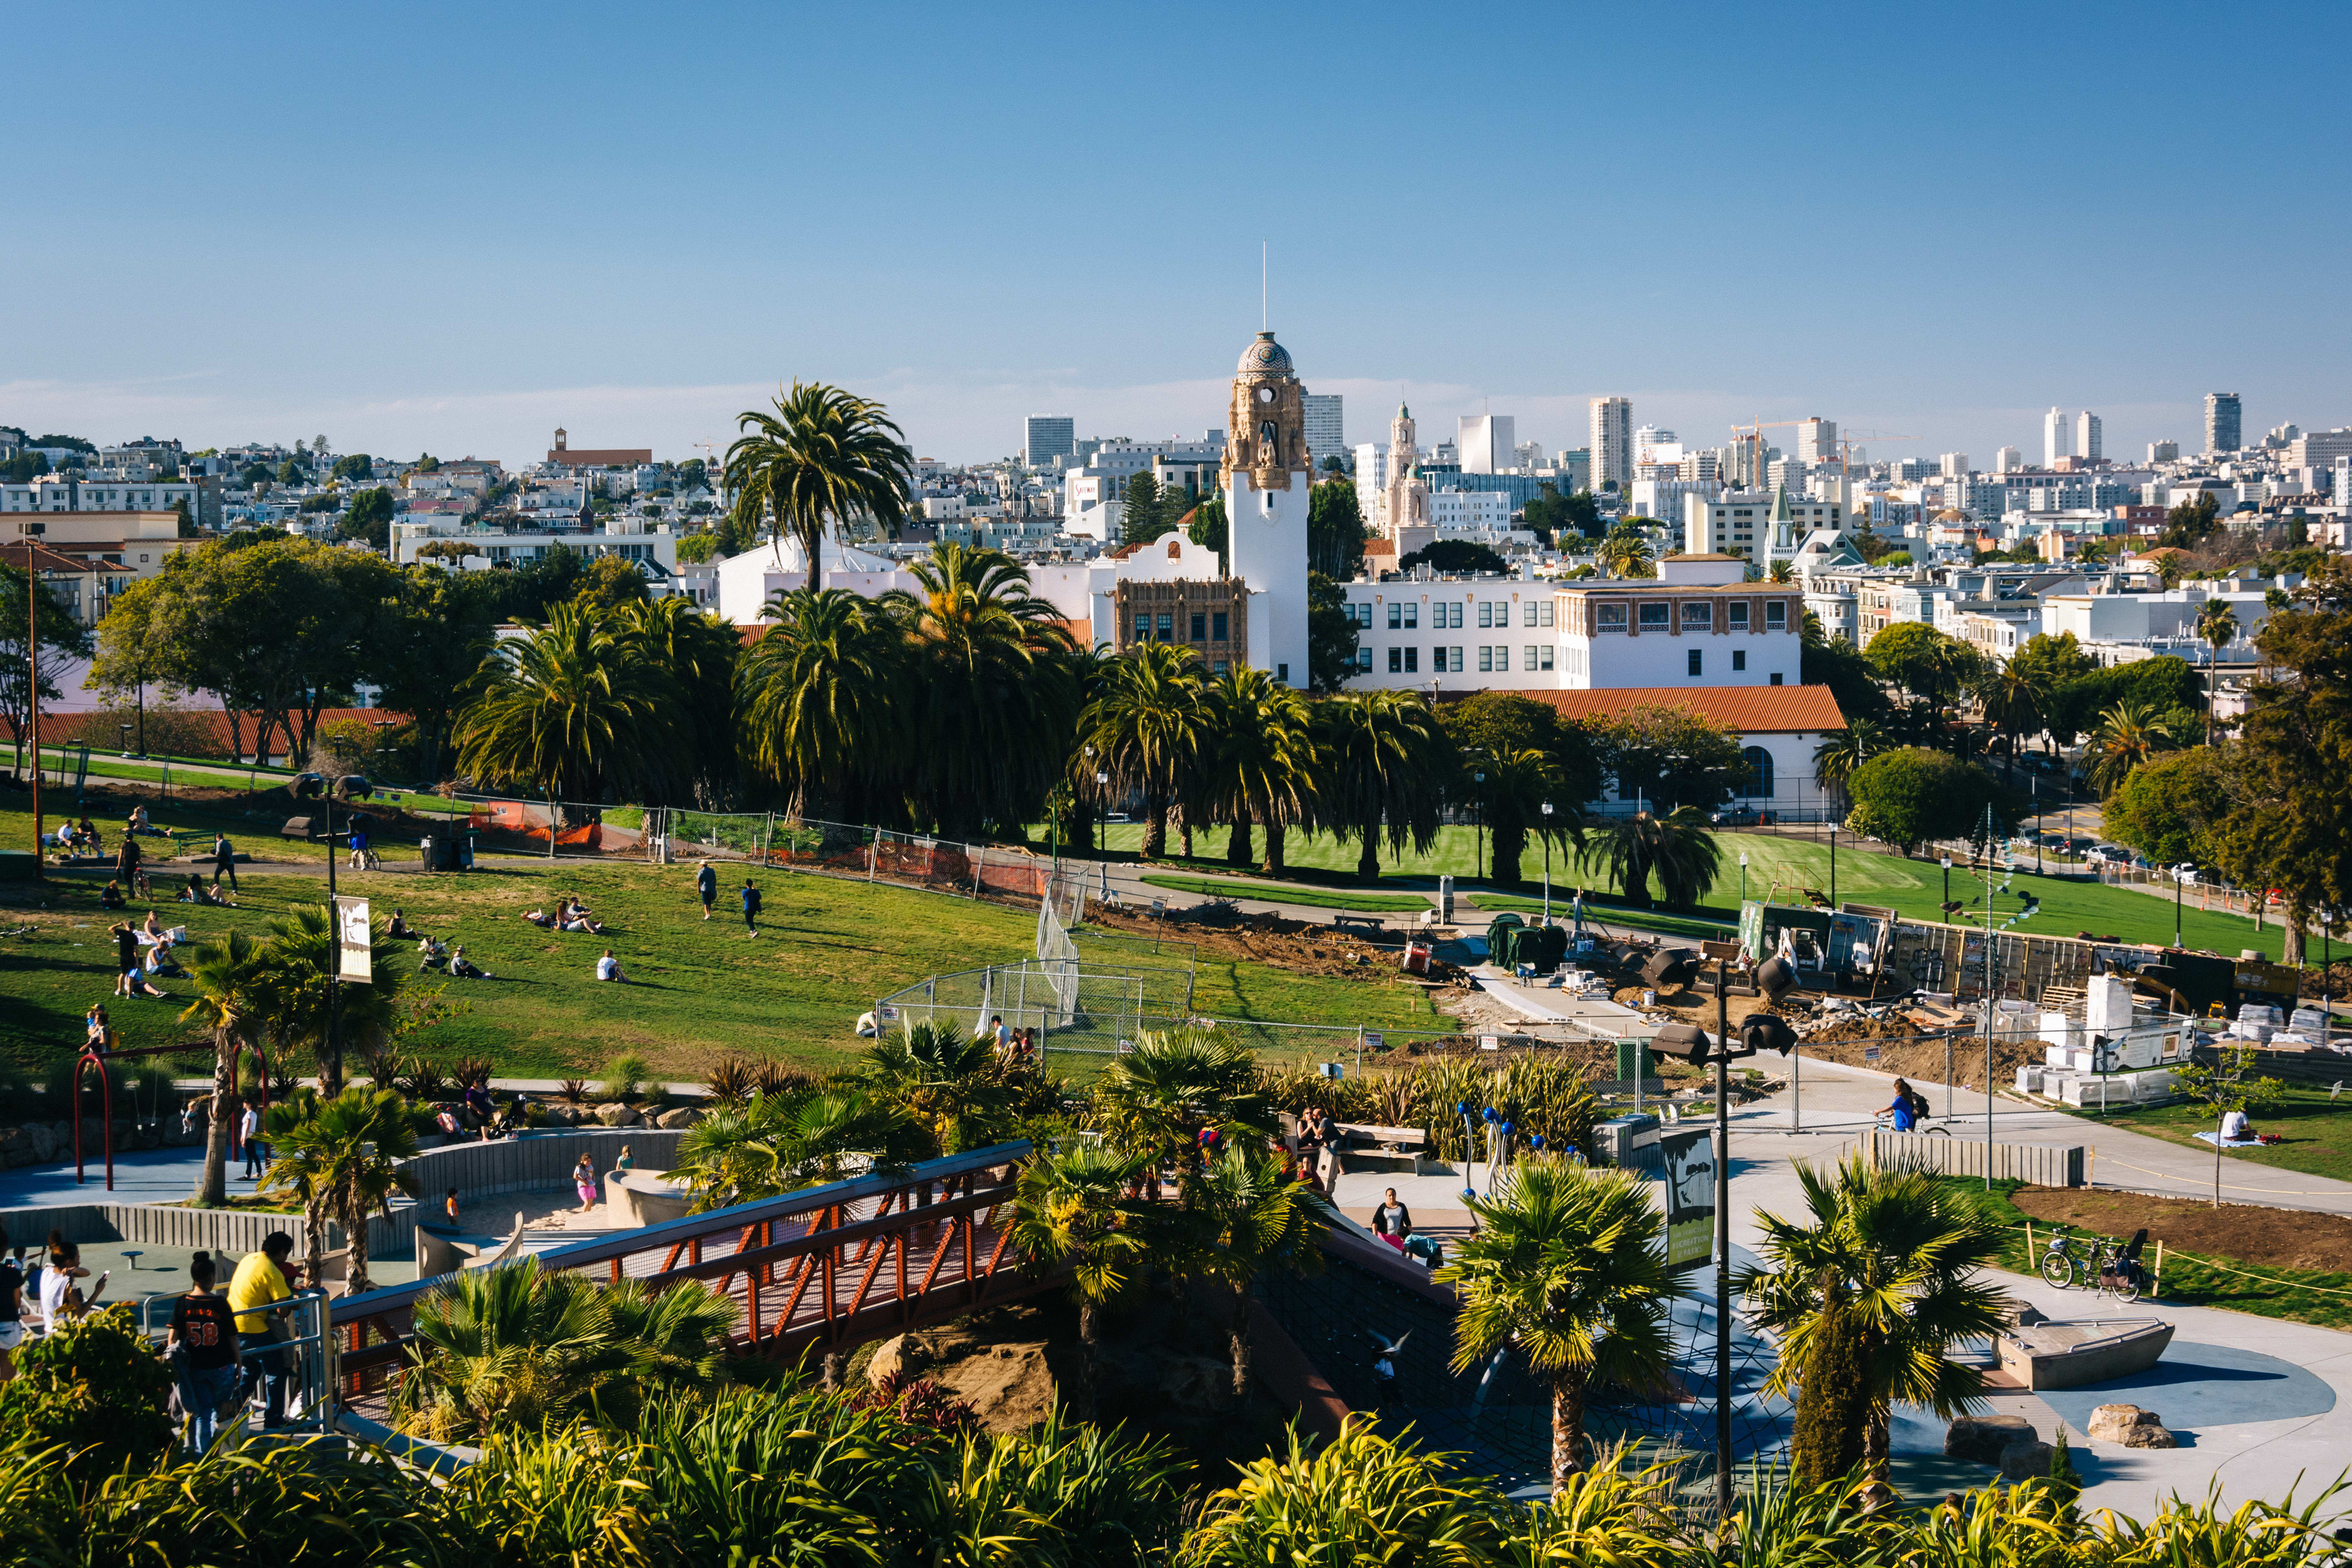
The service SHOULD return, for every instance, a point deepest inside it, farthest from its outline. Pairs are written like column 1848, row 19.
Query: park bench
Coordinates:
column 1390, row 1148
column 1360, row 922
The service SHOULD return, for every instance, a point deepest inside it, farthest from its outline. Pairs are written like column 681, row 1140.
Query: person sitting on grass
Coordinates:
column 197, row 893
column 431, row 955
column 2237, row 1126
column 609, row 969
column 398, row 929
column 542, row 919
column 161, row 965
column 110, row 896
column 576, row 917
column 465, row 968
column 153, row 926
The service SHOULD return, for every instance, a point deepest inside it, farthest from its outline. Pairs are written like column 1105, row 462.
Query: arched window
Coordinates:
column 1759, row 774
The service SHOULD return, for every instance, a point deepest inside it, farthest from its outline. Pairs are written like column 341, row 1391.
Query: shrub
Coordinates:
column 1911, row 795
column 1360, row 1499
column 93, row 1387
column 625, row 1077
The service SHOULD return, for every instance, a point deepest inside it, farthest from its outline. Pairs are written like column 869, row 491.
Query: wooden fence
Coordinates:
column 2044, row 1165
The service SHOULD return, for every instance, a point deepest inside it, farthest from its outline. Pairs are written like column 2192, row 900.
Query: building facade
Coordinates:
column 2224, row 416
column 1483, row 442
column 1611, row 441
column 1326, row 427
column 1047, row 439
column 1268, row 475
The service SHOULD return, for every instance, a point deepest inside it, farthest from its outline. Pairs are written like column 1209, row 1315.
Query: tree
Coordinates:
column 1932, row 667
column 1569, row 1266
column 354, row 465
column 2190, row 523
column 57, row 638
column 88, row 1397
column 1841, row 751
column 1263, row 762
column 610, row 581
column 1070, row 1211
column 342, row 1155
column 1886, row 1257
column 1550, row 514
column 2223, row 1087
column 1147, row 517
column 1208, row 530
column 1335, row 529
column 696, row 550
column 1675, row 848
column 368, row 519
column 691, row 656
column 949, row 1085
column 819, row 693
column 1668, row 755
column 2218, row 624
column 1330, row 635
column 2128, row 735
column 1454, row 558
column 2013, row 701
column 1626, row 551
column 437, row 627
column 1910, row 795
column 782, row 1142
column 563, row 711
column 1488, row 723
column 1834, row 663
column 1154, row 1102
column 1386, row 773
column 240, row 990
column 1511, row 800
column 2165, row 685
column 304, row 945
column 1243, row 1215
column 1146, row 731
column 824, row 459
column 2171, row 807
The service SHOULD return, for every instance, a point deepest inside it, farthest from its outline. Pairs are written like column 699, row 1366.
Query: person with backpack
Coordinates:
column 1907, row 1108
column 751, row 908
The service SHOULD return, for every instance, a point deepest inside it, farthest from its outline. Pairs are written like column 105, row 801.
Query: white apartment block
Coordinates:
column 1665, row 498
column 2057, row 437
column 632, row 539
column 69, row 493
column 1737, row 522
column 1611, row 441
column 1484, row 443
column 1817, row 441
column 1372, row 482
column 2008, row 460
column 1453, row 511
column 1326, row 427
column 2089, row 439
column 1953, row 464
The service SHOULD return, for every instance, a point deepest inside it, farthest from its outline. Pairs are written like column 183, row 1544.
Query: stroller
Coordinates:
column 2120, row 1272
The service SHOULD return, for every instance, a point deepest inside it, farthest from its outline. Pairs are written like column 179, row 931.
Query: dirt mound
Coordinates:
column 2244, row 1233
column 1221, row 932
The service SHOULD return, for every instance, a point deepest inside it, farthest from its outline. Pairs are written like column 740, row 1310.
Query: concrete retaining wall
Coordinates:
column 536, row 1161
column 2044, row 1165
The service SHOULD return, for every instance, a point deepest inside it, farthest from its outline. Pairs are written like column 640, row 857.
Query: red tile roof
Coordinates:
column 1751, row 710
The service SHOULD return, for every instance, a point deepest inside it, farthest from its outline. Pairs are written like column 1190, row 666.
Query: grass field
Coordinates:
column 2317, row 1130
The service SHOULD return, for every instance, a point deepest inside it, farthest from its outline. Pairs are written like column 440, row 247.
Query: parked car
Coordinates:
column 1735, row 817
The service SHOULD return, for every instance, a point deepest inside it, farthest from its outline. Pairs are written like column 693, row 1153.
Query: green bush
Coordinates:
column 1911, row 795
column 94, row 1389
column 625, row 1077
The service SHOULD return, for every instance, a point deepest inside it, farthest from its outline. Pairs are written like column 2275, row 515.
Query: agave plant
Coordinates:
column 421, row 1079
column 776, row 1078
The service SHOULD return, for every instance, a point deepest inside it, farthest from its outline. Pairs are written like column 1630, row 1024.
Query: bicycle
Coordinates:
column 366, row 859
column 1924, row 1127
column 2117, row 1265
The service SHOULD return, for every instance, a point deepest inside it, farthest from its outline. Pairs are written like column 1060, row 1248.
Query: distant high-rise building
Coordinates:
column 2057, row 437
column 1046, row 436
column 1648, row 439
column 2087, row 440
column 2008, row 460
column 1528, row 456
column 2164, row 452
column 1485, row 441
column 2344, row 481
column 1953, row 464
column 1817, row 441
column 1613, row 443
column 1372, row 482
column 1327, row 435
column 2222, row 414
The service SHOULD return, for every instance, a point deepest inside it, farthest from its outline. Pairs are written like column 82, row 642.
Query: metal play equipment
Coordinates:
column 98, row 1060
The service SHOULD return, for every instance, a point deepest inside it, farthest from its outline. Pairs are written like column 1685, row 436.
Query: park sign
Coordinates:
column 355, row 942
column 1690, row 1196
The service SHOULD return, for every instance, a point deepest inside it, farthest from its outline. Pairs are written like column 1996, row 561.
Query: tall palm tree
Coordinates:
column 950, row 1086
column 1386, row 763
column 824, row 458
column 1243, row 1215
column 2129, row 734
column 1154, row 1102
column 780, row 1143
column 1265, row 759
column 341, row 1157
column 1070, row 1207
column 240, row 989
column 2218, row 624
column 691, row 655
column 568, row 710
column 992, row 707
column 1626, row 552
column 1146, row 732
column 1844, row 750
column 2014, row 700
column 821, row 696
column 1887, row 1257
column 1518, row 784
column 1568, row 1265
column 1675, row 848
column 304, row 943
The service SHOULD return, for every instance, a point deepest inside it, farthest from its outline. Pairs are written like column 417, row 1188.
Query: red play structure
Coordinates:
column 98, row 1060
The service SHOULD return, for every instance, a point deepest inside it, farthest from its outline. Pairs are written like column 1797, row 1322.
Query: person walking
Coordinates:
column 257, row 1153
column 751, row 908
column 223, row 861
column 126, row 860
column 12, row 1308
column 259, row 1280
column 126, row 956
column 201, row 1346
column 705, row 885
column 583, row 1181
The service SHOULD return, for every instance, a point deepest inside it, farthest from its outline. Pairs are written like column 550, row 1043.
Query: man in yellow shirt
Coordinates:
column 261, row 1279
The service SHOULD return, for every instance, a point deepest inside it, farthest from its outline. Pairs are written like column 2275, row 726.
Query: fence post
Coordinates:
column 767, row 831
column 872, row 853
column 2159, row 1270
column 979, row 858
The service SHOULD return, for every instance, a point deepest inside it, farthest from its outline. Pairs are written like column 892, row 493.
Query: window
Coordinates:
column 1697, row 617
column 1454, row 617
column 1143, row 629
column 1736, row 616
column 1364, row 659
column 1281, row 672
column 1486, row 656
column 1200, row 627
column 1739, row 659
column 1697, row 662
column 1396, row 616
column 1219, row 625
column 1454, row 656
column 1412, row 615
column 1396, row 661
column 1218, row 668
column 1411, row 661
column 1543, row 613
column 1168, row 627
column 1485, row 612
column 1530, row 663
column 1546, row 658
column 1776, row 677
column 1527, row 613
column 1613, row 618
column 1759, row 786
column 1776, row 615
column 1654, row 617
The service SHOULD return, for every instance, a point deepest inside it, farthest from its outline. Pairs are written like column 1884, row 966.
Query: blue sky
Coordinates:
column 457, row 227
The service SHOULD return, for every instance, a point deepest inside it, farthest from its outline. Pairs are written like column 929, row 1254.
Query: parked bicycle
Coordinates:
column 2104, row 1265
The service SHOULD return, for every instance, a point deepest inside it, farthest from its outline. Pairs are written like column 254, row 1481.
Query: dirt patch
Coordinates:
column 2269, row 1237
column 1263, row 938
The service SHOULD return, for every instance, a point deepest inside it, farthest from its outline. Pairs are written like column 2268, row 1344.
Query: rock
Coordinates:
column 42, row 1141
column 2025, row 1461
column 15, row 1148
column 2129, row 1427
column 1982, row 1440
column 684, row 1117
column 615, row 1114
column 903, row 1353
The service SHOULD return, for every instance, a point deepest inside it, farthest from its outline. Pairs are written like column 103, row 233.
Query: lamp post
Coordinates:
column 2179, row 881
column 1479, row 855
column 1833, row 866
column 1743, row 879
column 2326, row 962
column 1547, row 838
column 33, row 684
column 126, row 738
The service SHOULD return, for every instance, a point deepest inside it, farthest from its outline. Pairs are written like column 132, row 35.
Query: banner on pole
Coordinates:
column 1690, row 1197
column 355, row 947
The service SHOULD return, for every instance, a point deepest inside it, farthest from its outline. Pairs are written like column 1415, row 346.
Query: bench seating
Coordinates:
column 1363, row 1146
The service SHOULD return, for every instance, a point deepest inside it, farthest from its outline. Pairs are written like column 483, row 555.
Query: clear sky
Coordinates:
column 456, row 227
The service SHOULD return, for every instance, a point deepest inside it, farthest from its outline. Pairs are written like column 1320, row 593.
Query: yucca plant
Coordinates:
column 2254, row 1534
column 625, row 1077
column 776, row 1078
column 1780, row 1522
column 421, row 1079
column 575, row 1092
column 1440, row 1085
column 1607, row 1512
column 1547, row 1097
column 1360, row 1499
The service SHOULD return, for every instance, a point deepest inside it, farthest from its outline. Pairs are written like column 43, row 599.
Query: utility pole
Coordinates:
column 334, row 951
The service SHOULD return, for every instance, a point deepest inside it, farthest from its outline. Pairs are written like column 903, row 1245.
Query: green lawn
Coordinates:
column 2318, row 1133
column 1286, row 893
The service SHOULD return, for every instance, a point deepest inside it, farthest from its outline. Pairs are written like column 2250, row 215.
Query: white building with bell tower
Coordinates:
column 1268, row 475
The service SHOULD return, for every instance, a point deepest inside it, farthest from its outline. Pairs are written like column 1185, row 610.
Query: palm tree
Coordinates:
column 1070, row 1208
column 2218, row 624
column 992, row 707
column 1265, row 759
column 949, row 1085
column 1781, row 571
column 692, row 655
column 304, row 943
column 341, row 1157
column 1242, row 1216
column 514, row 1348
column 1155, row 1100
column 780, row 1143
column 1518, row 784
column 1887, row 1259
column 1626, row 552
column 568, row 710
column 1844, row 750
column 2014, row 700
column 2129, row 734
column 821, row 697
column 1570, row 1265
column 1675, row 848
column 824, row 457
column 240, row 992
column 1146, row 732
column 1385, row 768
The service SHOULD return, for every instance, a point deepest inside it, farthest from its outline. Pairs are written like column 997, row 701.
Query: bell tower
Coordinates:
column 1267, row 476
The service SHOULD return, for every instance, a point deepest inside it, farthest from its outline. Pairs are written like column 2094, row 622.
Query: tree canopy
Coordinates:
column 1910, row 795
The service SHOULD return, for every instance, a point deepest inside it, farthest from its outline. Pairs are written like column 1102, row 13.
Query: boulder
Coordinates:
column 2026, row 1461
column 684, row 1117
column 15, row 1148
column 615, row 1114
column 42, row 1140
column 2129, row 1427
column 903, row 1353
column 1982, row 1440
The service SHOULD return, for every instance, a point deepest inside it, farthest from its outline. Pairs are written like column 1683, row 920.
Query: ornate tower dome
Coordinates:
column 1265, row 357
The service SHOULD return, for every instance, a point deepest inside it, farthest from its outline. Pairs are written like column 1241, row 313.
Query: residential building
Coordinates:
column 2008, row 460
column 1484, row 443
column 1326, row 428
column 415, row 537
column 1048, row 439
column 2222, row 417
column 2088, row 441
column 1103, row 476
column 1953, row 464
column 564, row 454
column 1817, row 441
column 1452, row 511
column 1665, row 498
column 87, row 559
column 2057, row 437
column 2319, row 449
column 2344, row 482
column 1612, row 443
column 1372, row 482
column 1528, row 456
column 1655, row 444
column 2164, row 452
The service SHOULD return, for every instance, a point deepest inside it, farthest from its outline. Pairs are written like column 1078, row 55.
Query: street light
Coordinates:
column 1547, row 838
column 126, row 739
column 1743, row 879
